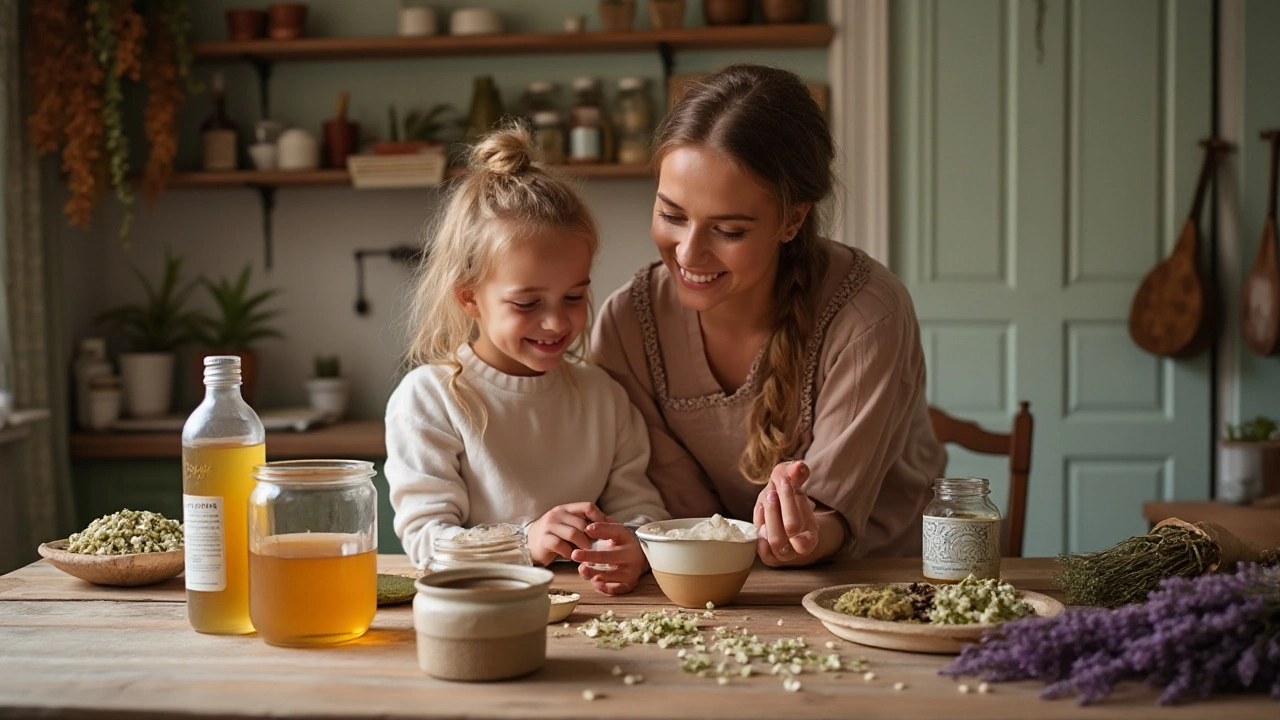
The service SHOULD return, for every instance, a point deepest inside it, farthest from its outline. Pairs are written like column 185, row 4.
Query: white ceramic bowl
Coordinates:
column 475, row 21
column 692, row 573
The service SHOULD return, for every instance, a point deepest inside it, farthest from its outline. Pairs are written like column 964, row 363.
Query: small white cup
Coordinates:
column 417, row 21
column 575, row 24
column 265, row 156
column 104, row 407
column 298, row 150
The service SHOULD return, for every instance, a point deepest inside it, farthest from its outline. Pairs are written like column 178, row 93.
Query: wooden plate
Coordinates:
column 118, row 570
column 910, row 637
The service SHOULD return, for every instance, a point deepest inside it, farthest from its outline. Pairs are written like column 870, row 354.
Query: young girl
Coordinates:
column 492, row 425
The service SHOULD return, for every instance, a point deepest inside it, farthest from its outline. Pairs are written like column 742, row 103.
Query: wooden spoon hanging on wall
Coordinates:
column 1172, row 314
column 1261, row 300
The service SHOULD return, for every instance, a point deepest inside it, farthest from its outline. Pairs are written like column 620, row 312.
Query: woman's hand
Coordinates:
column 784, row 518
column 562, row 529
column 620, row 551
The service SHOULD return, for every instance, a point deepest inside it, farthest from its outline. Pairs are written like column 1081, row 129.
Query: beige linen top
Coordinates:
column 865, row 430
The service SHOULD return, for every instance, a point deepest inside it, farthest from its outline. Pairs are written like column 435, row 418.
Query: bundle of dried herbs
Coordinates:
column 1129, row 571
column 894, row 603
column 1193, row 637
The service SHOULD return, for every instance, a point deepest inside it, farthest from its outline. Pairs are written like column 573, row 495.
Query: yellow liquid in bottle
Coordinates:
column 210, row 473
column 313, row 588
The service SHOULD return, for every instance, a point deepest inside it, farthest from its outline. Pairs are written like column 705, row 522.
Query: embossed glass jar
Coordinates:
column 498, row 543
column 961, row 531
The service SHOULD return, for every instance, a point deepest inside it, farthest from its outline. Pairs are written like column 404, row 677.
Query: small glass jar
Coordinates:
column 498, row 543
column 313, row 551
column 961, row 531
column 548, row 134
column 632, row 120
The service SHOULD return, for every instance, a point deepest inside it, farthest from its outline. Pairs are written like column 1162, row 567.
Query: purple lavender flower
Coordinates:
column 1192, row 638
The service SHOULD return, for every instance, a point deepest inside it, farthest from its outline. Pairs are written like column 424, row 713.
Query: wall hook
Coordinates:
column 406, row 254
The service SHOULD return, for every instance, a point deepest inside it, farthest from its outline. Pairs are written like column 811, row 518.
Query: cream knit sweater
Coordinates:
column 549, row 441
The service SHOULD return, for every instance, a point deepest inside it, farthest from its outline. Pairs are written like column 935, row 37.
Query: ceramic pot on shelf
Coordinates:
column 726, row 12
column 329, row 395
column 246, row 24
column 288, row 20
column 617, row 15
column 666, row 14
column 784, row 11
column 148, row 383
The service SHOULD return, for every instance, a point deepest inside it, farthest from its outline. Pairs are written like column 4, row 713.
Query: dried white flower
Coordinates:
column 984, row 688
column 964, row 689
column 588, row 695
column 899, row 686
column 869, row 676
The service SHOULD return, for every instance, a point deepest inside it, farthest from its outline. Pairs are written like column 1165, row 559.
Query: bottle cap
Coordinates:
column 221, row 370
column 540, row 86
column 546, row 117
column 584, row 83
column 94, row 346
column 630, row 83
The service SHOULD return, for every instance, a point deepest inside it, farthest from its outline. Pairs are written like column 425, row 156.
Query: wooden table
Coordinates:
column 1257, row 524
column 73, row 650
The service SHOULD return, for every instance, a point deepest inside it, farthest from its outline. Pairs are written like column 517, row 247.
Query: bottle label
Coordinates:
column 206, row 562
column 219, row 149
column 955, row 548
column 584, row 143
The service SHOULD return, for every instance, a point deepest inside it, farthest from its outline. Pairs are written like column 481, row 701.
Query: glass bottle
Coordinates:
column 218, row 134
column 548, row 136
column 91, row 362
column 591, row 137
column 497, row 543
column 961, row 531
column 632, row 119
column 222, row 441
column 486, row 108
column 539, row 97
column 313, row 551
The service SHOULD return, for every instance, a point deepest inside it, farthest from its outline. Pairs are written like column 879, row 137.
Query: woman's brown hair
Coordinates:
column 765, row 121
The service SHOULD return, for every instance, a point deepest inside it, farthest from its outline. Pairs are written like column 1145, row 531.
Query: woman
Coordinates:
column 780, row 374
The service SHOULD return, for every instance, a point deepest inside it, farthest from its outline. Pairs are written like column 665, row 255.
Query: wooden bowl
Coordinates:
column 907, row 636
column 116, row 570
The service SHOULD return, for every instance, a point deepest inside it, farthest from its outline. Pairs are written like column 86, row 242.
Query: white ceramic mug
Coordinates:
column 417, row 21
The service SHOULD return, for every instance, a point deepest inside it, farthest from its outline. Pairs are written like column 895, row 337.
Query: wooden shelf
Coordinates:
column 353, row 439
column 807, row 35
column 341, row 178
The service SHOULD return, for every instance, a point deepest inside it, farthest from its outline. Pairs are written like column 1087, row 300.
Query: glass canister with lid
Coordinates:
column 633, row 121
column 313, row 551
column 496, row 543
column 961, row 531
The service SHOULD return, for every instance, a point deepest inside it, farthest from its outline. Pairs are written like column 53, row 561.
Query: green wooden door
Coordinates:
column 1043, row 159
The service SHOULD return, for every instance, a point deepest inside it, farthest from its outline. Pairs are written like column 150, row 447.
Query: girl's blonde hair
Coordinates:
column 743, row 112
column 502, row 201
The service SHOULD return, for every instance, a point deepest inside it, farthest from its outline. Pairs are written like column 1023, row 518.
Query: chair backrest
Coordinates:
column 1016, row 444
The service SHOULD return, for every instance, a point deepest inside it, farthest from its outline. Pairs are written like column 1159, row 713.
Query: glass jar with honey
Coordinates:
column 313, row 551
column 961, row 531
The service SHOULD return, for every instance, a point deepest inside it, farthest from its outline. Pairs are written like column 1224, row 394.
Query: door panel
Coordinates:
column 1040, row 168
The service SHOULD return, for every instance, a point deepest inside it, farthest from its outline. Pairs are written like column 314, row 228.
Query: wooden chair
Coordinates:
column 1016, row 444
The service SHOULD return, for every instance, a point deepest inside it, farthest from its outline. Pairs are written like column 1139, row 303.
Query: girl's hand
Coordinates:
column 784, row 518
column 562, row 529
column 621, row 551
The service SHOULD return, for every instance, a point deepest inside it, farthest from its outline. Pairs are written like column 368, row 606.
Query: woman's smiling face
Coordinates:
column 717, row 229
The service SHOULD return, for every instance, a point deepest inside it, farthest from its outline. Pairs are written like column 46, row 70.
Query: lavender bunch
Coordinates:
column 1193, row 637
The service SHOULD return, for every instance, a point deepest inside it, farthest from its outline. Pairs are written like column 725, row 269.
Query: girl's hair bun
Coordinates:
column 505, row 151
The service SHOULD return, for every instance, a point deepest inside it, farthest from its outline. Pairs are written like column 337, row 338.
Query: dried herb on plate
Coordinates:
column 1193, row 638
column 1129, row 571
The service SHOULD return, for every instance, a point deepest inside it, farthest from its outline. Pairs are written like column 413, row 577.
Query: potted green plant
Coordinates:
column 238, row 322
column 156, row 327
column 1250, row 461
column 328, row 390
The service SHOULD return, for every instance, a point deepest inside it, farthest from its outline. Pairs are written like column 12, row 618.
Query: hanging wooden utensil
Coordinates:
column 1172, row 314
column 1261, row 299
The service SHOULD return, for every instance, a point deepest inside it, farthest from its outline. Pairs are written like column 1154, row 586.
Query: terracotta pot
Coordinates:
column 617, row 16
column 784, row 11
column 666, row 14
column 248, row 371
column 726, row 12
column 287, row 20
column 246, row 24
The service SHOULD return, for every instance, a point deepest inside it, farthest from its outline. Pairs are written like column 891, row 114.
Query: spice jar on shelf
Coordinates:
column 591, row 137
column 632, row 120
column 497, row 543
column 961, row 531
column 548, row 137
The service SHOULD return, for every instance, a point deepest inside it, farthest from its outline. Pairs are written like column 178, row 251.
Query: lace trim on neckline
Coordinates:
column 858, row 275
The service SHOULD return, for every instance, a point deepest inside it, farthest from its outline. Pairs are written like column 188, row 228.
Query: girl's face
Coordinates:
column 718, row 230
column 533, row 304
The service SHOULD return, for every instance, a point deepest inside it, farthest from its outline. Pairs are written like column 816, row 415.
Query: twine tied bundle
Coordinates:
column 1127, row 572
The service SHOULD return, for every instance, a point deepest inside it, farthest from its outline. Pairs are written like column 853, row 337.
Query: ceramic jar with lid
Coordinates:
column 482, row 622
column 961, row 531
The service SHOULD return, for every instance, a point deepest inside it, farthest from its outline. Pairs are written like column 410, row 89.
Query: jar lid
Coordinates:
column 546, row 117
column 631, row 83
column 313, row 472
column 480, row 536
column 541, row 86
column 584, row 83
